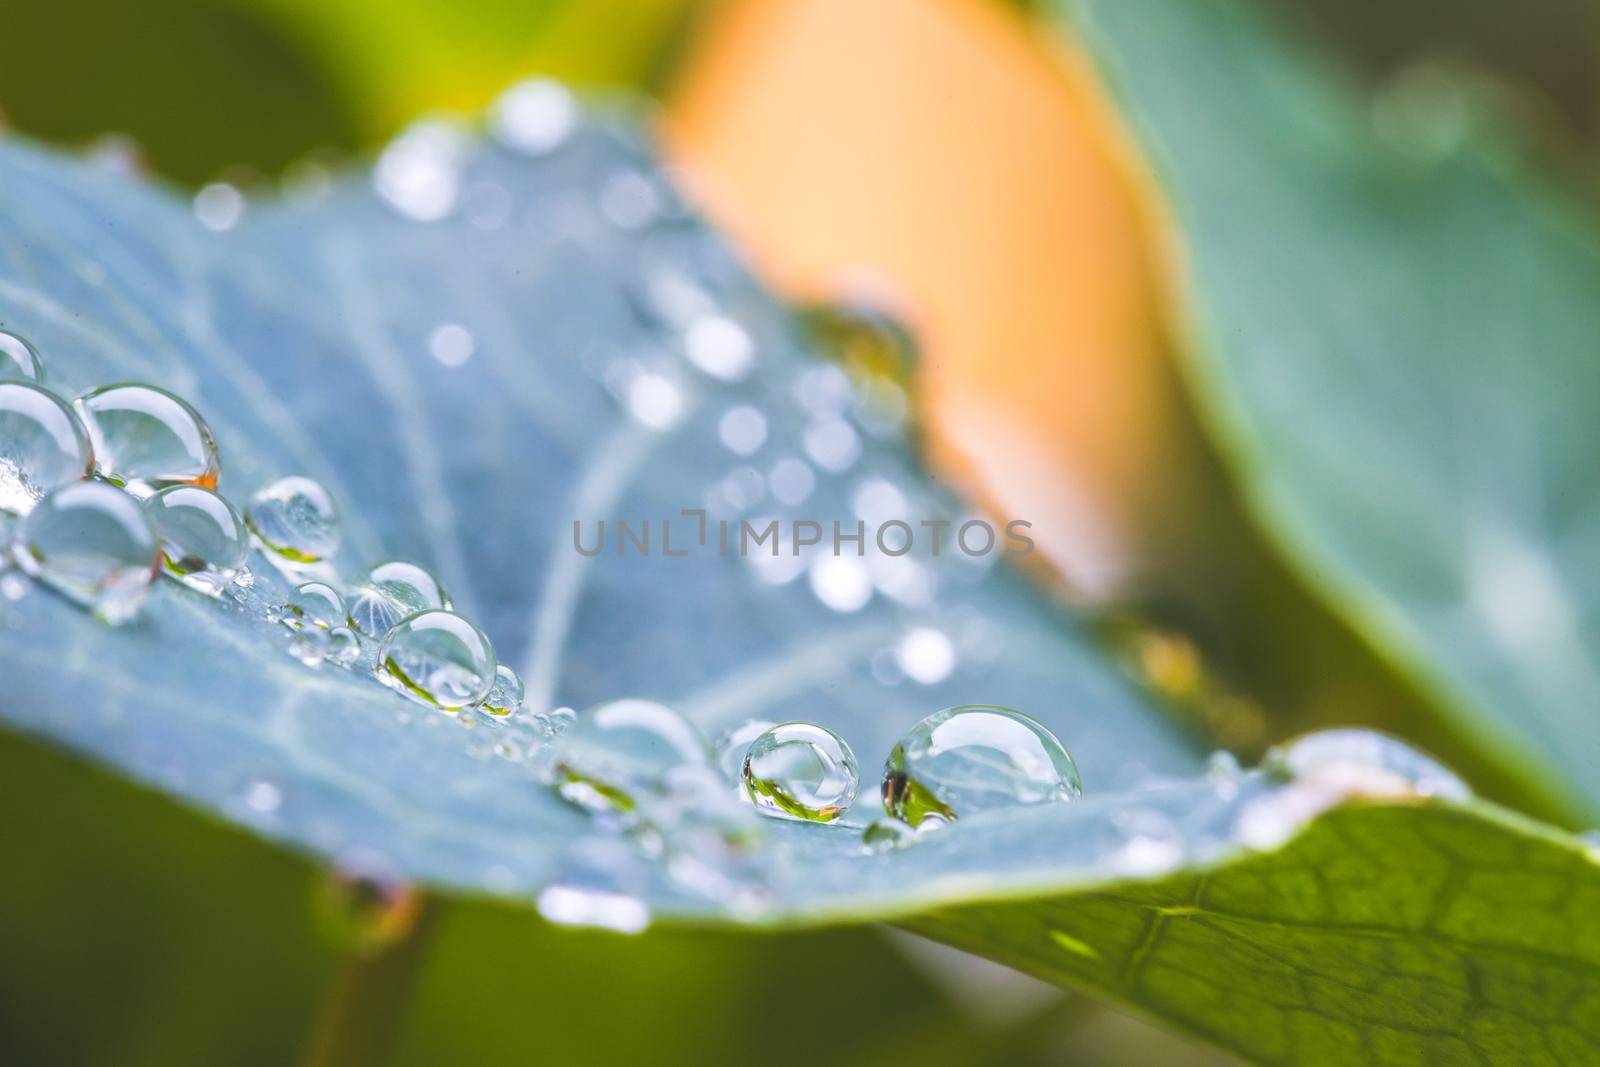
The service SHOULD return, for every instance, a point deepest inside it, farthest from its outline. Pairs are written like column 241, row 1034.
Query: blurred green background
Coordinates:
column 136, row 932
column 212, row 87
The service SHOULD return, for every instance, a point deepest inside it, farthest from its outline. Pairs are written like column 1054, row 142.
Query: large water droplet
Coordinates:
column 146, row 438
column 743, row 429
column 926, row 655
column 1366, row 760
column 42, row 445
column 505, row 697
column 437, row 658
column 295, row 519
column 94, row 544
column 801, row 770
column 313, row 604
column 219, row 206
column 843, row 583
column 720, row 347
column 613, row 756
column 419, row 172
column 389, row 592
column 979, row 757
column 19, row 360
column 203, row 539
column 599, row 884
column 534, row 117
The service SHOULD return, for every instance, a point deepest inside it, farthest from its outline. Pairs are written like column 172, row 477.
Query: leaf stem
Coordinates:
column 361, row 1011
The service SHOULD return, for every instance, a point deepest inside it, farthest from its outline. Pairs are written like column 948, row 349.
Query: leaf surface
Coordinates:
column 1392, row 335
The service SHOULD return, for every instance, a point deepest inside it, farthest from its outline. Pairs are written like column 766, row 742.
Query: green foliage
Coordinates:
column 1372, row 925
column 1391, row 334
column 1382, row 934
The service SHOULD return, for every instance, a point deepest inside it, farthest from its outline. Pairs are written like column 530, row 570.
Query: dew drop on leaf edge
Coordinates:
column 974, row 758
column 439, row 659
column 801, row 770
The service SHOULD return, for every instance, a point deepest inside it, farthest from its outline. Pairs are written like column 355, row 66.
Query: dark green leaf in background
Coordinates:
column 1393, row 338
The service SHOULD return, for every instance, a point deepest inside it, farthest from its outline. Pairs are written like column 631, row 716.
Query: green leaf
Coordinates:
column 304, row 335
column 1392, row 337
column 1382, row 934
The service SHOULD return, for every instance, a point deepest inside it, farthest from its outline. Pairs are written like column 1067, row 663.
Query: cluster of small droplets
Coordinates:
column 641, row 768
column 104, row 493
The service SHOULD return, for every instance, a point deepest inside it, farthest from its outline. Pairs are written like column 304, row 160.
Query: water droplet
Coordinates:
column 451, row 344
column 419, row 172
column 1223, row 770
column 313, row 604
column 824, row 391
column 926, row 655
column 886, row 833
column 365, row 904
column 263, row 797
column 976, row 758
column 203, row 540
column 19, row 360
column 791, row 481
column 801, row 770
column 599, row 885
column 219, row 206
column 840, row 582
column 94, row 544
column 832, row 444
column 534, row 117
column 614, row 755
column 309, row 645
column 145, row 438
column 876, row 350
column 719, row 346
column 505, row 697
column 344, row 647
column 437, row 658
column 877, row 501
column 630, row 200
column 742, row 489
column 733, row 743
column 42, row 445
column 1145, row 856
column 743, row 429
column 13, row 586
column 389, row 592
column 554, row 722
column 295, row 519
column 1366, row 761
column 654, row 400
